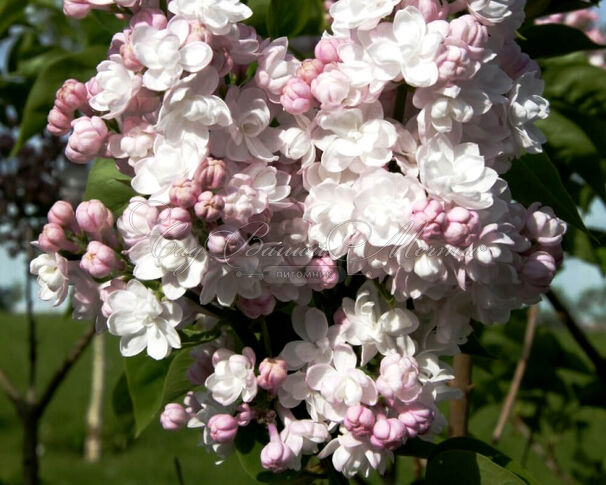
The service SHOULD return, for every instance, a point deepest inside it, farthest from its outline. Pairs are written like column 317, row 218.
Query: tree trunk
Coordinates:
column 92, row 443
column 30, row 446
column 459, row 408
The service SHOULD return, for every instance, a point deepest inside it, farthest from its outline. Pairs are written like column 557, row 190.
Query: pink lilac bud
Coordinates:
column 93, row 217
column 272, row 374
column 76, row 9
column 543, row 226
column 107, row 289
column 62, row 213
column 330, row 88
column 137, row 221
column 310, row 69
column 275, row 456
column 398, row 378
column 255, row 307
column 428, row 218
column 359, row 420
column 184, row 193
column 462, row 226
column 151, row 16
column 224, row 241
column 322, row 273
column 296, row 96
column 327, row 50
column 245, row 414
column 87, row 139
column 471, row 32
column 174, row 223
column 173, row 417
column 59, row 122
column 539, row 269
column 100, row 260
column 416, row 418
column 223, row 428
column 388, row 433
column 71, row 96
column 211, row 174
column 52, row 239
column 455, row 62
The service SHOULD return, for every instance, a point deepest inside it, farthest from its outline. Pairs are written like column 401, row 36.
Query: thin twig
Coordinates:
column 77, row 350
column 546, row 455
column 598, row 361
column 9, row 389
column 519, row 373
column 459, row 408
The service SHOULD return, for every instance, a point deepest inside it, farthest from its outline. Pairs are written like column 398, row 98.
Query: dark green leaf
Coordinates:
column 176, row 383
column 534, row 178
column 549, row 40
column 570, row 146
column 259, row 17
column 474, row 347
column 287, row 18
column 108, row 185
column 416, row 447
column 468, row 450
column 459, row 466
column 79, row 65
column 123, row 407
column 145, row 378
column 11, row 12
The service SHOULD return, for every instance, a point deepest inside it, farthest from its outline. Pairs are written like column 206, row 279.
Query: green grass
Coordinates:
column 150, row 458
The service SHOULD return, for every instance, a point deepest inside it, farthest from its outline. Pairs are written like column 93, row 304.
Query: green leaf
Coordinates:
column 258, row 20
column 459, row 466
column 145, row 378
column 79, row 65
column 287, row 18
column 416, row 447
column 123, row 407
column 474, row 347
column 108, row 185
column 153, row 383
column 576, row 82
column 571, row 148
column 474, row 459
column 534, row 178
column 549, row 40
column 581, row 245
column 11, row 12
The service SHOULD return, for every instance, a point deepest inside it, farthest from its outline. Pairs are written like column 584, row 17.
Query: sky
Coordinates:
column 575, row 277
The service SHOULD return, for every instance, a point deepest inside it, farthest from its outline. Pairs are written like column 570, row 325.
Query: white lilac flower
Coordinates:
column 115, row 86
column 408, row 47
column 356, row 138
column 456, row 173
column 190, row 108
column 164, row 54
column 341, row 384
column 352, row 456
column 142, row 321
column 361, row 14
column 52, row 272
column 525, row 107
column 491, row 12
column 180, row 264
column 376, row 327
column 234, row 376
column 384, row 204
column 249, row 137
column 154, row 175
column 217, row 15
column 315, row 347
column 329, row 208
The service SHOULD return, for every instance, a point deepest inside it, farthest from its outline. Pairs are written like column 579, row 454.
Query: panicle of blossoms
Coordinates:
column 362, row 387
column 261, row 178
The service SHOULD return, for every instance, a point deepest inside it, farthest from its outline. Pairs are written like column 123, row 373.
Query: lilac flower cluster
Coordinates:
column 262, row 179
